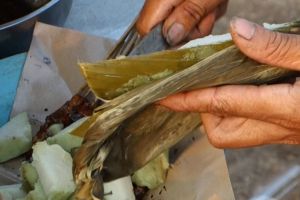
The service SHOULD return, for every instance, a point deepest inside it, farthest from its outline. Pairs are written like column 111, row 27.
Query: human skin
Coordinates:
column 234, row 116
column 183, row 19
column 242, row 116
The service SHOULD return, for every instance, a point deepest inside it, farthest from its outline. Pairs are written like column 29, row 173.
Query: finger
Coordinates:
column 154, row 12
column 273, row 48
column 185, row 17
column 205, row 26
column 273, row 103
column 235, row 132
column 221, row 10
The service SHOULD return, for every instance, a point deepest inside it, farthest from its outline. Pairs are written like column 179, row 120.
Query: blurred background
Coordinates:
column 256, row 173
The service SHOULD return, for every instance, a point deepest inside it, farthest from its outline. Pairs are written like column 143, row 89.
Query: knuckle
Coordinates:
column 288, row 121
column 291, row 116
column 277, row 46
column 195, row 10
column 189, row 103
column 219, row 103
column 215, row 139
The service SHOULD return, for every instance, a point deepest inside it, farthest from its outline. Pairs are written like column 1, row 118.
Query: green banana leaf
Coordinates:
column 128, row 131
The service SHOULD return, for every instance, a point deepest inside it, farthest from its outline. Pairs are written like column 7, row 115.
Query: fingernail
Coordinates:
column 244, row 28
column 175, row 34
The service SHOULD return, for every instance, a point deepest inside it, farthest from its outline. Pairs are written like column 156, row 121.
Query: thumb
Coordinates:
column 185, row 17
column 154, row 12
column 262, row 45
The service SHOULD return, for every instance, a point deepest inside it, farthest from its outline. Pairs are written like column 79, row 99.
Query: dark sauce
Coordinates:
column 13, row 9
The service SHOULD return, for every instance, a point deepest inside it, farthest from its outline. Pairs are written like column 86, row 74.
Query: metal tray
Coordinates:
column 15, row 36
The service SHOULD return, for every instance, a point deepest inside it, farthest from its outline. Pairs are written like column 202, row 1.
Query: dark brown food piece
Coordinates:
column 70, row 112
column 139, row 192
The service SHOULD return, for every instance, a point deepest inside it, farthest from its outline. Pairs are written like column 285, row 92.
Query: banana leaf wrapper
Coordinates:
column 128, row 131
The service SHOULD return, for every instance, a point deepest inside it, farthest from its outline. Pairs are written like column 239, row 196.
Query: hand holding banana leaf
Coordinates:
column 243, row 116
column 128, row 131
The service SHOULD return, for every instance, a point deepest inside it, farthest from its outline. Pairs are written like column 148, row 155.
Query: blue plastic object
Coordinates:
column 10, row 72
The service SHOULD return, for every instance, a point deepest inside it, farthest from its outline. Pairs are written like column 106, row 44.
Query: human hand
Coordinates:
column 183, row 19
column 242, row 116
